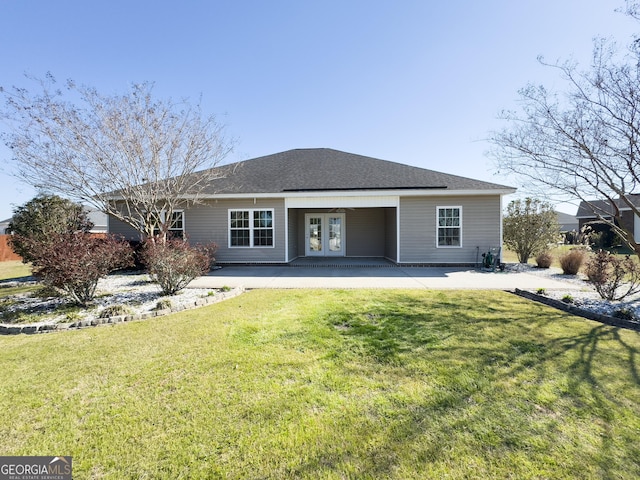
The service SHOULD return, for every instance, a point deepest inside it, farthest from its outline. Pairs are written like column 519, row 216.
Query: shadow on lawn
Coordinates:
column 493, row 367
column 390, row 328
column 588, row 391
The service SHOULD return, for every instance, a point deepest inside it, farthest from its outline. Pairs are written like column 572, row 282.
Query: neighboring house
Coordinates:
column 568, row 223
column 99, row 220
column 324, row 202
column 586, row 213
column 4, row 225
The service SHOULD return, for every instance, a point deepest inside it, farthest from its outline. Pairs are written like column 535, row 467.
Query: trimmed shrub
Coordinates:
column 163, row 304
column 115, row 311
column 544, row 260
column 571, row 261
column 74, row 262
column 614, row 278
column 174, row 263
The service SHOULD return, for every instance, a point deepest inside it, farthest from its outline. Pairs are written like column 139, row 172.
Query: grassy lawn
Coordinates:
column 511, row 256
column 14, row 269
column 332, row 384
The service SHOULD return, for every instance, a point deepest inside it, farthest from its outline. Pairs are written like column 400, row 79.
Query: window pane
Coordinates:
column 449, row 229
column 240, row 238
column 176, row 221
column 262, row 219
column 449, row 237
column 263, row 238
column 240, row 219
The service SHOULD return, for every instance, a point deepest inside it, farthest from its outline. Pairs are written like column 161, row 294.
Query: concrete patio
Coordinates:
column 374, row 273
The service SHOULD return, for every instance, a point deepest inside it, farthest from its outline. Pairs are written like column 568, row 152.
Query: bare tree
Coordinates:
column 131, row 156
column 584, row 143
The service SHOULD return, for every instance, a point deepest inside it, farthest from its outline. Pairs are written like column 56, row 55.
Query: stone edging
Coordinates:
column 57, row 327
column 572, row 309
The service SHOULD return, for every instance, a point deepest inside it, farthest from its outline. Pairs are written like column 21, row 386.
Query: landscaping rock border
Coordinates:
column 572, row 309
column 56, row 327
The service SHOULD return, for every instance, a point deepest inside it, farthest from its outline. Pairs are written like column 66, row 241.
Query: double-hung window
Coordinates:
column 176, row 223
column 449, row 225
column 251, row 228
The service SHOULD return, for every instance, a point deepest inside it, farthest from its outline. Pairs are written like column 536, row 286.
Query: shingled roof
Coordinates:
column 588, row 209
column 324, row 169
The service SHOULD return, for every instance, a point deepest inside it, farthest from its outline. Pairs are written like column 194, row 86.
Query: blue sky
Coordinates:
column 416, row 82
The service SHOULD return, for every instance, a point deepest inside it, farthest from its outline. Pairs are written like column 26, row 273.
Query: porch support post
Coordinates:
column 286, row 230
column 397, row 229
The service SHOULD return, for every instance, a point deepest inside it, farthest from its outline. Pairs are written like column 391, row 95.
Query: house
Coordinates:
column 328, row 203
column 569, row 227
column 588, row 214
column 99, row 220
column 4, row 226
column 568, row 223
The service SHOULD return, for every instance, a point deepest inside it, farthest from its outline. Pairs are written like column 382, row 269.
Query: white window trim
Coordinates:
column 438, row 208
column 251, row 227
column 184, row 223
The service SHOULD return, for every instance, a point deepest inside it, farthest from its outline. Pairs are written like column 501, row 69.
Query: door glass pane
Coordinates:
column 315, row 234
column 335, row 234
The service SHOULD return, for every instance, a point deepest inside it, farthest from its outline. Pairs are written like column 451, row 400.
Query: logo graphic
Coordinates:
column 35, row 468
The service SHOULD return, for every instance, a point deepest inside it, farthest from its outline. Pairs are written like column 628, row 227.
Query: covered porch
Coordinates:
column 343, row 235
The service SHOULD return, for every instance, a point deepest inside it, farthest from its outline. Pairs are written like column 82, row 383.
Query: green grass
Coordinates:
column 5, row 292
column 331, row 384
column 14, row 269
column 510, row 256
column 559, row 250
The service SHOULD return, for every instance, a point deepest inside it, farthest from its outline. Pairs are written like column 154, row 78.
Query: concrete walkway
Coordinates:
column 363, row 277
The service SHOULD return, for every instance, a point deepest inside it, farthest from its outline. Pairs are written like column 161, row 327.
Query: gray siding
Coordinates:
column 294, row 247
column 391, row 239
column 369, row 231
column 480, row 228
column 365, row 232
column 210, row 223
column 299, row 214
column 119, row 228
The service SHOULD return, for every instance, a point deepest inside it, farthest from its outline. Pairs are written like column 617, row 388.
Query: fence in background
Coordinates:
column 6, row 253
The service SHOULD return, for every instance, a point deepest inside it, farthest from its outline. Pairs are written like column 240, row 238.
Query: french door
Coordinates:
column 324, row 234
